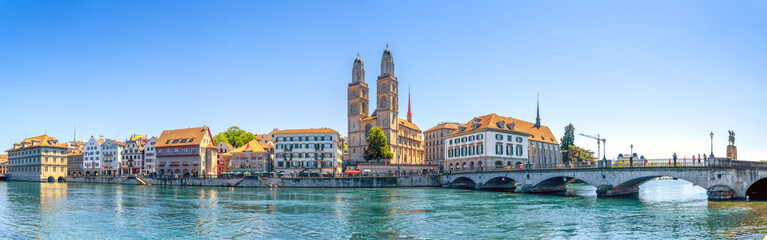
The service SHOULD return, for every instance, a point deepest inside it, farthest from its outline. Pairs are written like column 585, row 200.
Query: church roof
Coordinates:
column 408, row 124
column 492, row 121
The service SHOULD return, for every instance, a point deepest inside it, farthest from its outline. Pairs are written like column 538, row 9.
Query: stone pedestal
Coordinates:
column 732, row 152
column 604, row 163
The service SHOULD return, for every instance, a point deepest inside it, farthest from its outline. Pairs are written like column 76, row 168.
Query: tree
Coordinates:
column 567, row 140
column 577, row 154
column 234, row 136
column 377, row 147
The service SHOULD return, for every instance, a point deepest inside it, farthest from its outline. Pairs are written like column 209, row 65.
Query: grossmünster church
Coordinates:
column 403, row 136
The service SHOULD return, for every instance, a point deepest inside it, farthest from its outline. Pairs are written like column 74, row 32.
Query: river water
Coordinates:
column 666, row 209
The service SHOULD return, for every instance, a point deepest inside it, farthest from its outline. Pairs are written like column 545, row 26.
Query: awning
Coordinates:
column 352, row 172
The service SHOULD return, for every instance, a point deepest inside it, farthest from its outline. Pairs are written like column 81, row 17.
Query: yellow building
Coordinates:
column 3, row 164
column 252, row 158
column 404, row 137
column 40, row 158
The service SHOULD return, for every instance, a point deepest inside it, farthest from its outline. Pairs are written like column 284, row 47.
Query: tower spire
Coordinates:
column 537, row 111
column 75, row 132
column 409, row 114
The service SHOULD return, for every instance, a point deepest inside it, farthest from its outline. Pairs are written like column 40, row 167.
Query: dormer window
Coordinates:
column 167, row 142
column 475, row 125
column 175, row 141
column 511, row 126
column 477, row 120
column 191, row 140
column 461, row 128
column 183, row 140
column 501, row 124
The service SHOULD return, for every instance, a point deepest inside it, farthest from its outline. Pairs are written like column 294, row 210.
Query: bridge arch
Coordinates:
column 558, row 183
column 631, row 186
column 463, row 182
column 500, row 183
column 757, row 190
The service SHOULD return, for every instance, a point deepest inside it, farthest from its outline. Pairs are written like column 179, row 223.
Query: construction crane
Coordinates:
column 598, row 138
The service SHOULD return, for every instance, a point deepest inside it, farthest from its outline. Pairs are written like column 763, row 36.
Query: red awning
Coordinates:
column 352, row 172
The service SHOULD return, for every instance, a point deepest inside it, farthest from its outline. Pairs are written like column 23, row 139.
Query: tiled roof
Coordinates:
column 116, row 142
column 182, row 134
column 75, row 153
column 542, row 134
column 306, row 131
column 252, row 146
column 452, row 126
column 408, row 124
column 41, row 140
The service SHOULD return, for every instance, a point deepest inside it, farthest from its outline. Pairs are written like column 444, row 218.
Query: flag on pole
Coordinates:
column 167, row 164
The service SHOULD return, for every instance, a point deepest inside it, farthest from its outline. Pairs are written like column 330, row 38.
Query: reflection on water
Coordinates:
column 665, row 210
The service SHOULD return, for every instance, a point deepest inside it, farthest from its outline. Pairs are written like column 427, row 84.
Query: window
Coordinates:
column 175, row 141
column 498, row 137
column 191, row 140
column 519, row 139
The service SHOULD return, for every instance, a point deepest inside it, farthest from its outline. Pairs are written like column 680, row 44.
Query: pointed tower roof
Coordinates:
column 409, row 114
column 358, row 70
column 387, row 63
column 537, row 112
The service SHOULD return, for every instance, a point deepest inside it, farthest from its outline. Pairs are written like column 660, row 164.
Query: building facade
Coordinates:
column 150, row 157
column 38, row 159
column 132, row 159
column 311, row 151
column 251, row 158
column 434, row 142
column 493, row 142
column 404, row 138
column 112, row 151
column 3, row 164
column 75, row 162
column 224, row 157
column 186, row 153
column 93, row 160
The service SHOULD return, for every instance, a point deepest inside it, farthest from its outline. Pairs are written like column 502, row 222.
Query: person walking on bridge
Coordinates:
column 693, row 159
column 674, row 159
column 699, row 160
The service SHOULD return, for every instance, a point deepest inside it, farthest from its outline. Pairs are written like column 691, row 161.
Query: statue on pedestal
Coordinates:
column 732, row 151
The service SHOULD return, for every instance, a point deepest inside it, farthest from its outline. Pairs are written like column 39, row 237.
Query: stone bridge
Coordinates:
column 722, row 178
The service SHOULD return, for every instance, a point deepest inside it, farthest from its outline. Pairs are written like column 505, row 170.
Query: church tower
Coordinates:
column 357, row 107
column 387, row 98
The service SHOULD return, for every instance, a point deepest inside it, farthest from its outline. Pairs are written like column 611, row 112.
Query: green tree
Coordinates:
column 567, row 140
column 377, row 147
column 577, row 154
column 234, row 136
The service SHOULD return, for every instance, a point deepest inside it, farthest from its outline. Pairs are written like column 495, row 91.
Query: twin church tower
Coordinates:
column 403, row 137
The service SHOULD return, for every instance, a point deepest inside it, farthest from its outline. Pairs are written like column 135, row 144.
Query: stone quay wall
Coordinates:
column 255, row 182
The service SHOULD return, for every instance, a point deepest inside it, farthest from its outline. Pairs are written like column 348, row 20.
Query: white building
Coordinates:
column 308, row 151
column 150, row 156
column 494, row 142
column 132, row 159
column 93, row 159
column 111, row 151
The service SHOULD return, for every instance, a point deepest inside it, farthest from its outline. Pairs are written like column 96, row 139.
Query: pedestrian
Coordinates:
column 693, row 159
column 699, row 160
column 684, row 161
column 674, row 159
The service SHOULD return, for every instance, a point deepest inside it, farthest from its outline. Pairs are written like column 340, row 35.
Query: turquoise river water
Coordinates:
column 666, row 209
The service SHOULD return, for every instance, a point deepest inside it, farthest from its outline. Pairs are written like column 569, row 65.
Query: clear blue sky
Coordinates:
column 658, row 74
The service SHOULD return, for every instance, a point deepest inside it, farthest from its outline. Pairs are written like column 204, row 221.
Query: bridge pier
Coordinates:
column 720, row 193
column 621, row 192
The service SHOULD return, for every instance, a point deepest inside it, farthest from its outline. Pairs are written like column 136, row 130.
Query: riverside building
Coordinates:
column 38, row 159
column 404, row 138
column 434, row 141
column 493, row 142
column 251, row 158
column 308, row 151
column 132, row 159
column 186, row 153
column 92, row 157
column 112, row 151
column 150, row 157
column 3, row 164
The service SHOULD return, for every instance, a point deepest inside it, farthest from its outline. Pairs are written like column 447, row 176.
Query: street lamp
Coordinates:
column 631, row 156
column 712, row 144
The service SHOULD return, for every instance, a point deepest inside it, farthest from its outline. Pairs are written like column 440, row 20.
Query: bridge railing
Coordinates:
column 659, row 163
